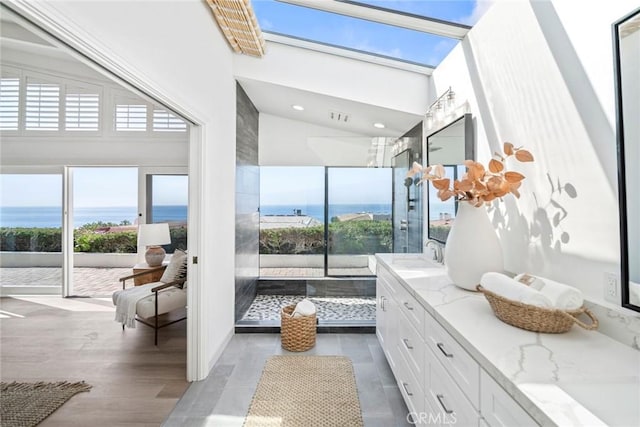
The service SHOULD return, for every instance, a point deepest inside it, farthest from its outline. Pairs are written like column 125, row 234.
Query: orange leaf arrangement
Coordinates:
column 479, row 185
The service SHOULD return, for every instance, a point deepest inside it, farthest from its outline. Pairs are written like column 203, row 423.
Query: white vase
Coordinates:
column 472, row 247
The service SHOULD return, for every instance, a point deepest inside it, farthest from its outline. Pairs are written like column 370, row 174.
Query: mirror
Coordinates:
column 449, row 146
column 626, row 36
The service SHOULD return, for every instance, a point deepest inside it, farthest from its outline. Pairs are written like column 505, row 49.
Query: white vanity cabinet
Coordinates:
column 386, row 317
column 402, row 343
column 498, row 408
column 439, row 380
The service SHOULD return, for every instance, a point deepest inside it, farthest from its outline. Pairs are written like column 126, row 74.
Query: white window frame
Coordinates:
column 15, row 73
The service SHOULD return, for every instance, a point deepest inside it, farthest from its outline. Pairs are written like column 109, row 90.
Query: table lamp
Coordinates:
column 152, row 236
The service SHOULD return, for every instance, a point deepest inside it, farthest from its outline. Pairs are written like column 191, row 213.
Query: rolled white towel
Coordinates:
column 304, row 308
column 562, row 296
column 511, row 289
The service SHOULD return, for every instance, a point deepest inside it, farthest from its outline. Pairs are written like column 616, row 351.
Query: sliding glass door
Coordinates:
column 104, row 220
column 31, row 233
column 167, row 198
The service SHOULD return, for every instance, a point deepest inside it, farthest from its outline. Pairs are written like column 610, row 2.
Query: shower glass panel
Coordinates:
column 359, row 219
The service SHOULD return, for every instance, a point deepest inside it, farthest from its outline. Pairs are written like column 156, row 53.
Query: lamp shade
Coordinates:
column 153, row 234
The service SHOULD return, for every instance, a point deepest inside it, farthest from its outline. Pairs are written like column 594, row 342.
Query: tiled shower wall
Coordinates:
column 247, row 202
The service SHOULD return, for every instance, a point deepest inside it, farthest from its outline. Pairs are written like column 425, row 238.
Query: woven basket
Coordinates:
column 297, row 333
column 536, row 319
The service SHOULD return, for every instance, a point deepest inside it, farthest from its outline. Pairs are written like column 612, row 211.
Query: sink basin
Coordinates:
column 413, row 262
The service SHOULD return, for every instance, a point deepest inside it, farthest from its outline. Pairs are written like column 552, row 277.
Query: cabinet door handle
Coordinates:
column 382, row 307
column 406, row 389
column 440, row 398
column 406, row 344
column 406, row 304
column 441, row 347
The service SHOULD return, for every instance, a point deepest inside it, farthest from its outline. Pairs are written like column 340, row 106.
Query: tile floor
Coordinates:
column 223, row 398
column 87, row 281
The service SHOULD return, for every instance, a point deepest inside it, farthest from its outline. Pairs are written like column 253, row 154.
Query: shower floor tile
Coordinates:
column 267, row 307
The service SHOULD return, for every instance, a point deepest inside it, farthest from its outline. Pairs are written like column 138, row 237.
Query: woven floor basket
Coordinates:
column 536, row 319
column 297, row 333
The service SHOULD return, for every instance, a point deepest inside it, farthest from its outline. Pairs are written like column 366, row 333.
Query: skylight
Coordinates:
column 329, row 23
column 465, row 12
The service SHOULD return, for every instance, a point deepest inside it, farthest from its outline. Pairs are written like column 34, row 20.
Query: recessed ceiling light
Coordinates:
column 379, row 125
column 298, row 107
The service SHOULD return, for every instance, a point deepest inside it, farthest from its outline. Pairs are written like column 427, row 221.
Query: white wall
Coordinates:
column 286, row 142
column 540, row 75
column 177, row 47
column 337, row 76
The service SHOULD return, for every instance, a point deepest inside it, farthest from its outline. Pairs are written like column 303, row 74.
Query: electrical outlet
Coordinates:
column 611, row 287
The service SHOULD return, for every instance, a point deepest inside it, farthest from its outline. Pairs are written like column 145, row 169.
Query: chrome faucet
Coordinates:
column 437, row 249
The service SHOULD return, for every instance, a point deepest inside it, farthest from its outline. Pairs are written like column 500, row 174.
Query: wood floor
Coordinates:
column 52, row 339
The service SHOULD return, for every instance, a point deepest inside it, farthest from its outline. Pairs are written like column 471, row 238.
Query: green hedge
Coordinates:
column 352, row 237
column 439, row 232
column 86, row 239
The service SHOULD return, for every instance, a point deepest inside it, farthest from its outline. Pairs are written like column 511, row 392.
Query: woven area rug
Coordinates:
column 26, row 404
column 306, row 391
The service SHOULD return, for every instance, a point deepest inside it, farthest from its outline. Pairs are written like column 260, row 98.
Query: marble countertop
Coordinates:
column 578, row 378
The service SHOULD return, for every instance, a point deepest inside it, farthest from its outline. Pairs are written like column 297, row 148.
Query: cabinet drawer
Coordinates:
column 390, row 282
column 411, row 308
column 444, row 396
column 412, row 347
column 498, row 407
column 458, row 363
column 410, row 387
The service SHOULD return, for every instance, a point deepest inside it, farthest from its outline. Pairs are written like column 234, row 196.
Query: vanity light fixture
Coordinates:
column 429, row 120
column 451, row 100
column 379, row 125
column 297, row 107
column 440, row 108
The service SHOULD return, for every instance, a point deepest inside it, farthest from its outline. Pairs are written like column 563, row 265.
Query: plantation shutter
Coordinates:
column 43, row 106
column 164, row 121
column 9, row 103
column 131, row 116
column 82, row 111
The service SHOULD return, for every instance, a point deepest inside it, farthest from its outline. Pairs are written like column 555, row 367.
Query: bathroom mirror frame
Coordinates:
column 625, row 188
column 466, row 120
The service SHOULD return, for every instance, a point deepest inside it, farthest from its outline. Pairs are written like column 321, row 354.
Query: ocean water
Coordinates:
column 317, row 211
column 51, row 216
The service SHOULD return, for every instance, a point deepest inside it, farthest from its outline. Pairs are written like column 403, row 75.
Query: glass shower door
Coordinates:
column 359, row 219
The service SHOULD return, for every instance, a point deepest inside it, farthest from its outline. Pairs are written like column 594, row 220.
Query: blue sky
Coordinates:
column 303, row 186
column 370, row 36
column 93, row 187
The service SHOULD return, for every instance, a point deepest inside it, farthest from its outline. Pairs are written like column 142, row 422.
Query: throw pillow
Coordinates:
column 177, row 268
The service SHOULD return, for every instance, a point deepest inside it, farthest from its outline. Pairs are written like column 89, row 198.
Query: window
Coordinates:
column 82, row 111
column 361, row 35
column 167, row 201
column 298, row 239
column 164, row 121
column 43, row 106
column 9, row 103
column 131, row 117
